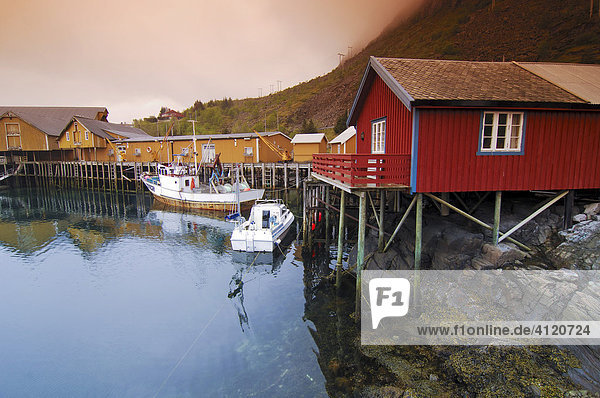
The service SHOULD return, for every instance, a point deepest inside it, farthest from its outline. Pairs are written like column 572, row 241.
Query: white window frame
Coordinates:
column 87, row 135
column 248, row 151
column 378, row 130
column 67, row 135
column 18, row 134
column 495, row 139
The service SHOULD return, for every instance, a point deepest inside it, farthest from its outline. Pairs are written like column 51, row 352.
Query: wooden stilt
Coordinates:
column 381, row 236
column 304, row 213
column 496, row 229
column 445, row 211
column 297, row 176
column 418, row 230
column 340, row 245
column 360, row 256
column 568, row 213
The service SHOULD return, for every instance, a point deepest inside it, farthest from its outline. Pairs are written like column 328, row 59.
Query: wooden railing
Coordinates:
column 361, row 170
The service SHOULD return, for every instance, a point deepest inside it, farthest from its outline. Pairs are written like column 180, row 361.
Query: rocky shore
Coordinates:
column 454, row 243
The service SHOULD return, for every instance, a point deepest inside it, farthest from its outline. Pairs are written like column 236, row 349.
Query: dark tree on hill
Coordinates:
column 340, row 124
column 308, row 126
column 198, row 106
column 151, row 119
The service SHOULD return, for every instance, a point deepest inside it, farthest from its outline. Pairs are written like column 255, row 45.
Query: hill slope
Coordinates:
column 534, row 30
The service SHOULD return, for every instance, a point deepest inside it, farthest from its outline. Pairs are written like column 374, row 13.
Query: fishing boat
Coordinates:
column 268, row 223
column 179, row 186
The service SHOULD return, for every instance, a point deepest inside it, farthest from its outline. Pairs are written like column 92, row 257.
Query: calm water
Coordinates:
column 104, row 296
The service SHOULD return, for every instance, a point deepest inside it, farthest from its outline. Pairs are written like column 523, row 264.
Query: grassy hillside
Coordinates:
column 534, row 30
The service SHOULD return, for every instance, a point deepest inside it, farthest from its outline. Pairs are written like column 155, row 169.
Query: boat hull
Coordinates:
column 260, row 240
column 203, row 201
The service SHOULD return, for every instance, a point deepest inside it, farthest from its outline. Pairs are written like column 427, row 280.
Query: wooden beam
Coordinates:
column 475, row 220
column 404, row 217
column 533, row 215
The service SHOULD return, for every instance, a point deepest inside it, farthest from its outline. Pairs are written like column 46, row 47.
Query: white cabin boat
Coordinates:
column 268, row 223
column 176, row 186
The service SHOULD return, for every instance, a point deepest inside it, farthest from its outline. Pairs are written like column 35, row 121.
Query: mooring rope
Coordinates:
column 188, row 350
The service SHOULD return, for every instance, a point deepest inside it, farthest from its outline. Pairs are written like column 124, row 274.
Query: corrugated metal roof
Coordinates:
column 425, row 79
column 101, row 129
column 344, row 136
column 208, row 136
column 312, row 138
column 51, row 119
column 581, row 80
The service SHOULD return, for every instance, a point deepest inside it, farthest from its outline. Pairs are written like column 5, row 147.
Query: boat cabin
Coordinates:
column 268, row 214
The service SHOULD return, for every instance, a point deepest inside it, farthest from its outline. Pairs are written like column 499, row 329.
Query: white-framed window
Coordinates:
column 87, row 135
column 247, row 151
column 67, row 135
column 502, row 132
column 378, row 136
column 13, row 135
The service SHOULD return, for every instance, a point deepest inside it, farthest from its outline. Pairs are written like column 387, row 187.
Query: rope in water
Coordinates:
column 188, row 350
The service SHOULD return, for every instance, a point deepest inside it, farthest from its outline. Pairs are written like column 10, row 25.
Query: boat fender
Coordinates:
column 247, row 189
column 320, row 214
column 313, row 226
column 148, row 149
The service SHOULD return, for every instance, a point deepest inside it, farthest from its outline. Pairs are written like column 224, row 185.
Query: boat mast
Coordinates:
column 237, row 190
column 195, row 152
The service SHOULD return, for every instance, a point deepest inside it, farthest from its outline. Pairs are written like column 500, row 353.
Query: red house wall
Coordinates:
column 382, row 102
column 560, row 152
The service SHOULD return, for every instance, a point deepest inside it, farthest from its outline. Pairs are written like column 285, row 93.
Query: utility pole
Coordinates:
column 341, row 57
column 349, row 52
column 271, row 88
column 259, row 92
column 279, row 85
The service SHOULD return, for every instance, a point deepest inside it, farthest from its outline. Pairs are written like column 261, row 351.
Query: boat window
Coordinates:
column 265, row 218
column 187, row 183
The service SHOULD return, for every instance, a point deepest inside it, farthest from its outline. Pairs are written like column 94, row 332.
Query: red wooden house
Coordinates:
column 457, row 126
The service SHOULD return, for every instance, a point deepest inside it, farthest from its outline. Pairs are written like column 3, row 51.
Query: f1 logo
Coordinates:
column 389, row 297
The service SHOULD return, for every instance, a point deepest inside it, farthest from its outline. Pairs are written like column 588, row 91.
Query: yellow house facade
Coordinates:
column 233, row 148
column 345, row 142
column 31, row 133
column 96, row 140
column 305, row 145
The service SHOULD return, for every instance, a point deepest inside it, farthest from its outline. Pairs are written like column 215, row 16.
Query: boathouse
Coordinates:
column 31, row 132
column 97, row 140
column 428, row 128
column 459, row 126
column 345, row 142
column 305, row 145
column 234, row 148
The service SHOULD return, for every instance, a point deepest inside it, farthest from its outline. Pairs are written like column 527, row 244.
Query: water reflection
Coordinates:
column 117, row 292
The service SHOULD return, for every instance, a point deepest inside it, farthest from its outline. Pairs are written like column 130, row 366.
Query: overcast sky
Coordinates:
column 134, row 56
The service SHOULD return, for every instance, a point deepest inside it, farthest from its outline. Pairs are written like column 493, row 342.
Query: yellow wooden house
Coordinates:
column 345, row 142
column 31, row 132
column 233, row 148
column 97, row 140
column 307, row 144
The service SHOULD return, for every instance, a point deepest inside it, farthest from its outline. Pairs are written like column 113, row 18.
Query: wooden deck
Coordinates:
column 355, row 172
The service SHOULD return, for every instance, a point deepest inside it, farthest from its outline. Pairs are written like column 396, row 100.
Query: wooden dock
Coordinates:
column 126, row 176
